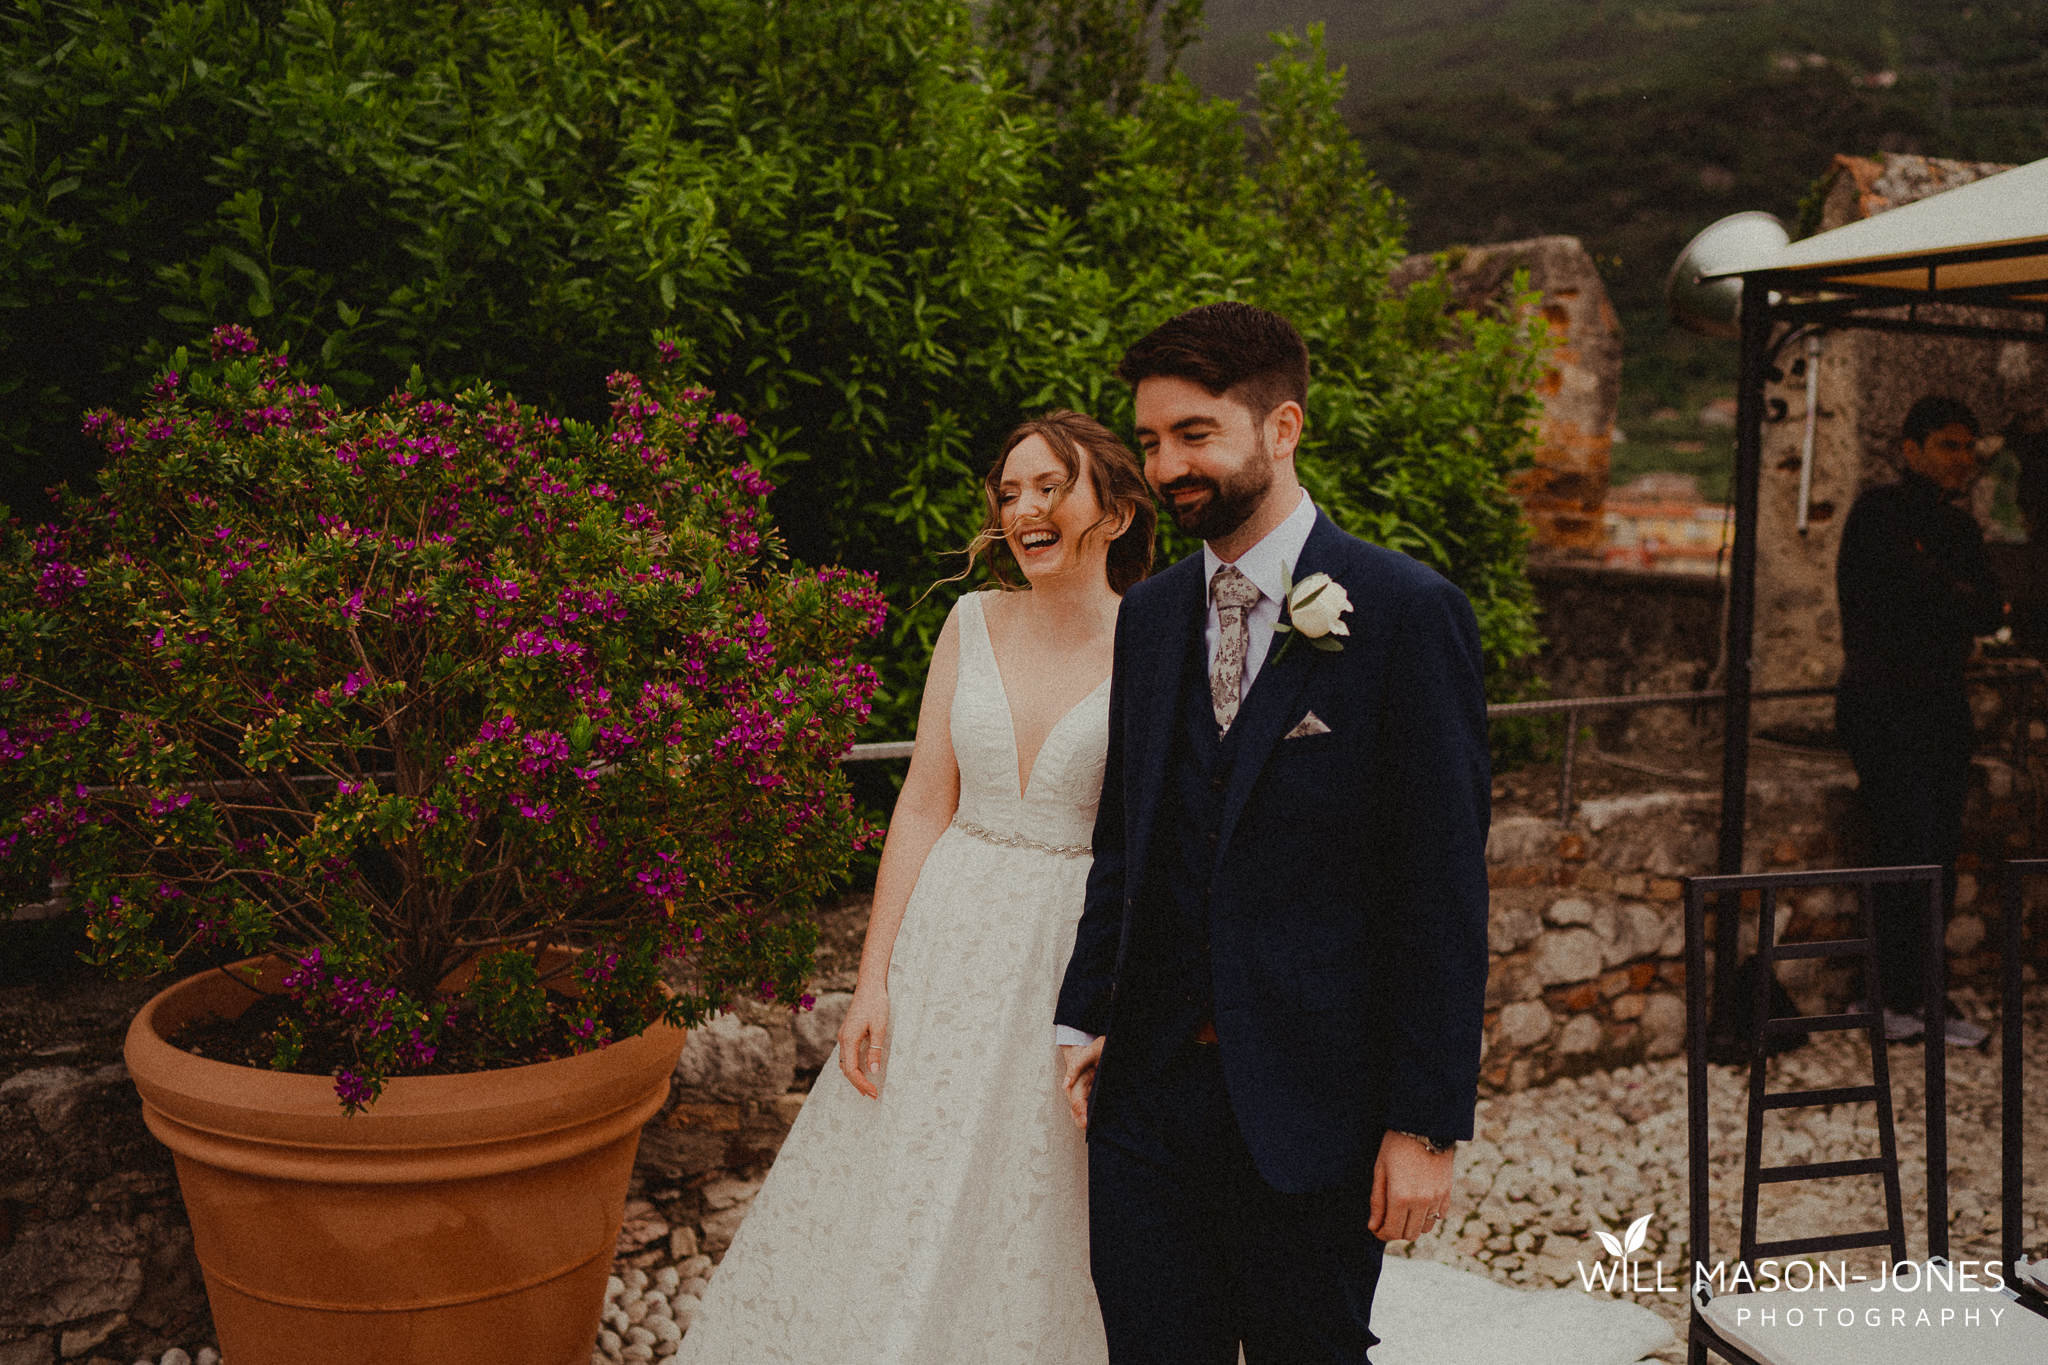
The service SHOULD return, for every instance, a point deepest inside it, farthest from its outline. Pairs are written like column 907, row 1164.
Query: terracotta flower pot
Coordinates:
column 460, row 1218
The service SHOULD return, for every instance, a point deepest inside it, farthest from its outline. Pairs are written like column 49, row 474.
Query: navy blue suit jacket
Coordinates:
column 1347, row 919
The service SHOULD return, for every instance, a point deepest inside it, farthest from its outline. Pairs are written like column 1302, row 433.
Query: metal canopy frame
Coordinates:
column 1778, row 306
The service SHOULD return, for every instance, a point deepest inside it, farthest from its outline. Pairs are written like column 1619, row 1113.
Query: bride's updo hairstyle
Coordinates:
column 1116, row 477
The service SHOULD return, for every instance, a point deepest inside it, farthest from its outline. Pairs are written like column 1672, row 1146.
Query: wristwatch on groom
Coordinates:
column 1434, row 1146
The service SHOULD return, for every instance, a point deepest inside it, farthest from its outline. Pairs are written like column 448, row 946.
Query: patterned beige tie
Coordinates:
column 1235, row 596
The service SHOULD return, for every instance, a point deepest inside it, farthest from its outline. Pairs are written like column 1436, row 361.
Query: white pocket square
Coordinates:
column 1310, row 724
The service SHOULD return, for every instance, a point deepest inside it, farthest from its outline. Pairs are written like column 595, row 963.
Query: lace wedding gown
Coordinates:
column 947, row 1222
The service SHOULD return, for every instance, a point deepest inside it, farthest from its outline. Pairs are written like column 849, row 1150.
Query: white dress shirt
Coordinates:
column 1268, row 565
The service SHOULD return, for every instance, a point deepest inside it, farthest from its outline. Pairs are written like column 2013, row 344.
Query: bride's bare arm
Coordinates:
column 925, row 806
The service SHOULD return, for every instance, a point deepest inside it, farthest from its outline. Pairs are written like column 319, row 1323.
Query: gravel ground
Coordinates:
column 1551, row 1166
column 1554, row 1164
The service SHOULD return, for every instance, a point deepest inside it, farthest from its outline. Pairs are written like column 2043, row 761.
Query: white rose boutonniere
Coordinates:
column 1315, row 608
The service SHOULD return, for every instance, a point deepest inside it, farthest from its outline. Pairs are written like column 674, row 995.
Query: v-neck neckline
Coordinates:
column 995, row 667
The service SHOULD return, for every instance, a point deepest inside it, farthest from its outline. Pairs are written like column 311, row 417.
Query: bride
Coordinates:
column 933, row 1210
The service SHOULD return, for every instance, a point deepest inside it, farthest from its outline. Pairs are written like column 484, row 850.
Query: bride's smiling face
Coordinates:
column 1051, row 519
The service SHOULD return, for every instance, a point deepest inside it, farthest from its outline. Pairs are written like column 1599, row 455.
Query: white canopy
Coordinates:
column 1991, row 234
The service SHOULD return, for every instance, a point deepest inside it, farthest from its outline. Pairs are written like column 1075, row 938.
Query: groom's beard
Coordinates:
column 1231, row 501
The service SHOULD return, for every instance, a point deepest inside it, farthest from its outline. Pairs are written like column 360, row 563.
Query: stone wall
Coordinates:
column 1586, row 920
column 1565, row 490
column 1615, row 632
column 95, row 1254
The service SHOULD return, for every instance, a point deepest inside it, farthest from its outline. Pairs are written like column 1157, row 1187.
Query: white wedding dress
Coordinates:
column 947, row 1222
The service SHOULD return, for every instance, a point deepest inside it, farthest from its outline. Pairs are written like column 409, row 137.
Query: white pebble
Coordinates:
column 175, row 1356
column 640, row 1336
column 636, row 1309
column 690, row 1289
column 614, row 1287
column 685, row 1310
column 666, row 1329
column 608, row 1342
column 207, row 1356
column 656, row 1301
column 667, row 1278
column 637, row 1353
column 636, row 1278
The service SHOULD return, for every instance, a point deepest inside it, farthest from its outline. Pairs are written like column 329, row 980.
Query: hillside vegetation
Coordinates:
column 1632, row 126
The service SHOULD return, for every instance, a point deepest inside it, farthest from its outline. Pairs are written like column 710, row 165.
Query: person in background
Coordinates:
column 1916, row 590
column 2026, row 440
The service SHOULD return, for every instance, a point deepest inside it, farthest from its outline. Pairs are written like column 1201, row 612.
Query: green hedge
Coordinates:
column 876, row 238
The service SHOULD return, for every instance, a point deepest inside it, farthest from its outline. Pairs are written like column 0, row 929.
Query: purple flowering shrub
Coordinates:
column 420, row 690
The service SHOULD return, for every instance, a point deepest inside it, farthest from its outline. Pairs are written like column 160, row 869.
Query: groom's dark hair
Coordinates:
column 1227, row 348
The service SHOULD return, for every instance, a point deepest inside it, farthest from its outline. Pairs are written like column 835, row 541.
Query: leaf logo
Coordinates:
column 1632, row 1240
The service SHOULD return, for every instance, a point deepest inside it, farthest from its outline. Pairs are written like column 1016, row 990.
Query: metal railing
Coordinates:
column 1571, row 708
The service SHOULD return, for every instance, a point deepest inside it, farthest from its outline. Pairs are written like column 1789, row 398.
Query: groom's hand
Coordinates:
column 1409, row 1185
column 1079, row 1081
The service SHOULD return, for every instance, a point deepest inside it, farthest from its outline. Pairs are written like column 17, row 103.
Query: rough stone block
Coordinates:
column 1581, row 1034
column 1628, row 1007
column 1612, row 984
column 1524, row 1024
column 729, row 1191
column 678, row 1154
column 1528, row 874
column 1519, row 839
column 729, row 1059
column 1508, row 930
column 1567, row 956
column 1605, row 922
column 1663, row 1021
column 36, row 1350
column 787, row 1107
column 1631, row 884
column 54, row 1273
column 1511, row 979
column 53, row 1094
column 1579, row 999
column 1666, row 889
column 721, row 1227
column 76, row 1341
column 1594, row 877
column 817, row 1029
column 1638, row 932
column 709, row 1118
column 1572, row 848
column 1570, row 910
column 1965, row 933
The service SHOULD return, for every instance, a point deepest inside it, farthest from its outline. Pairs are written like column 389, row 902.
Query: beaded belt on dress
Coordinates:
column 1018, row 841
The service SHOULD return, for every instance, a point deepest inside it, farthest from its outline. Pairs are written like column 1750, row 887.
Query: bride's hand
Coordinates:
column 861, row 1041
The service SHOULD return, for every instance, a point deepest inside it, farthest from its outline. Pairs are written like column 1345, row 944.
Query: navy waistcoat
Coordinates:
column 1173, row 966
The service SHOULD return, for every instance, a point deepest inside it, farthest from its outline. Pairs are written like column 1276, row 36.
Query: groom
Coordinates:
column 1271, row 1020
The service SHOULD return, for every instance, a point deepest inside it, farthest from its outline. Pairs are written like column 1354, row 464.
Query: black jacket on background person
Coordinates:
column 1915, row 588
